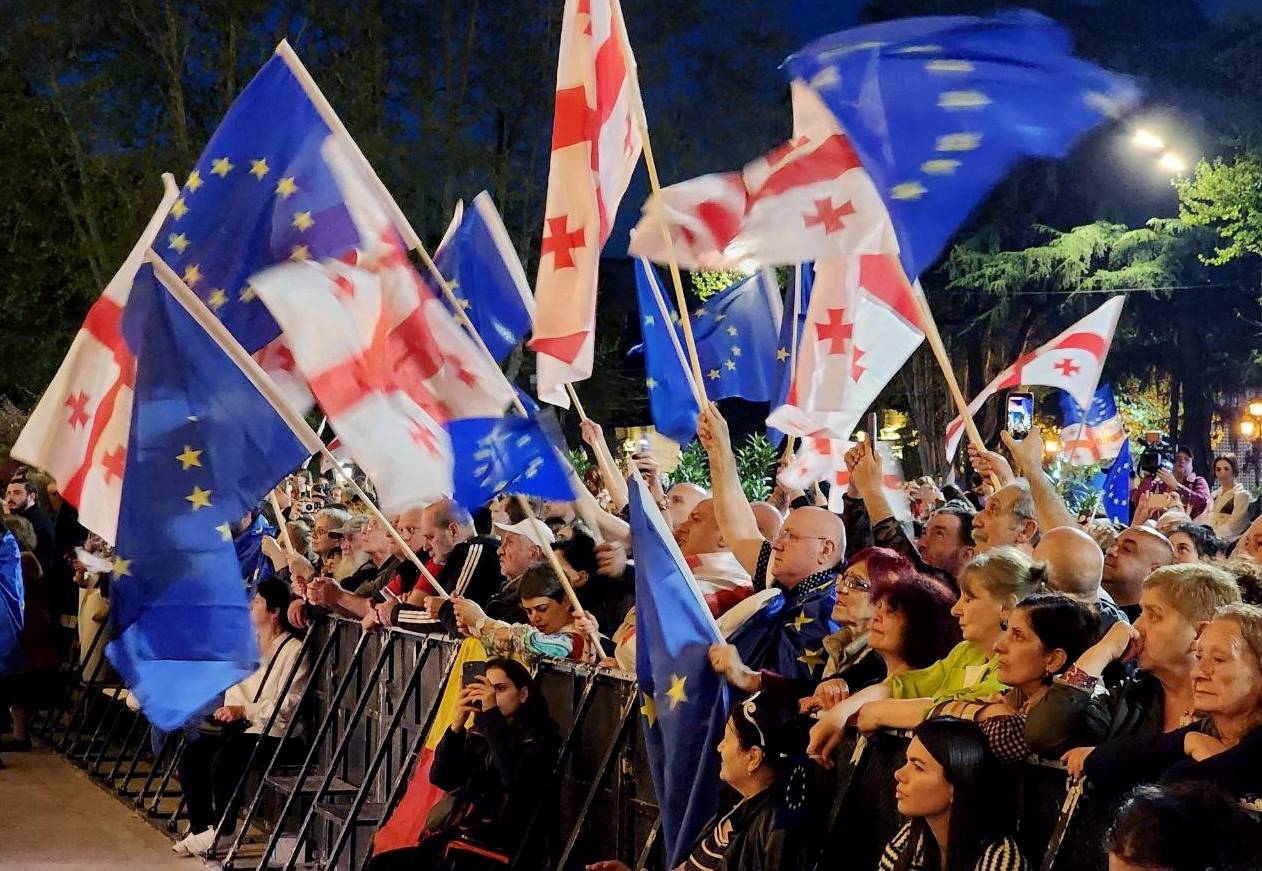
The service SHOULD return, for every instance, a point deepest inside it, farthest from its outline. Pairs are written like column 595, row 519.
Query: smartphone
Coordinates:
column 471, row 672
column 1020, row 414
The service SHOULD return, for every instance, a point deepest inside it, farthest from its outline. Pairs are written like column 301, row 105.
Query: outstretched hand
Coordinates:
column 1027, row 453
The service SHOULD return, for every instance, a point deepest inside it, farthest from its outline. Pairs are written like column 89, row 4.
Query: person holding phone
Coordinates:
column 495, row 763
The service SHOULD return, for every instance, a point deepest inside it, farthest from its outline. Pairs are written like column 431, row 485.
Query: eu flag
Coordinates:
column 939, row 109
column 1103, row 408
column 1117, row 486
column 737, row 335
column 205, row 447
column 684, row 701
column 260, row 194
column 12, row 604
column 802, row 282
column 478, row 260
column 510, row 454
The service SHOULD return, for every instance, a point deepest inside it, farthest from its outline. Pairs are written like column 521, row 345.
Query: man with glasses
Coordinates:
column 794, row 576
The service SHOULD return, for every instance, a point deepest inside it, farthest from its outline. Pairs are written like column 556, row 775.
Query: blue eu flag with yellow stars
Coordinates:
column 204, row 449
column 737, row 335
column 802, row 281
column 479, row 261
column 939, row 109
column 505, row 455
column 684, row 702
column 1117, row 486
column 260, row 194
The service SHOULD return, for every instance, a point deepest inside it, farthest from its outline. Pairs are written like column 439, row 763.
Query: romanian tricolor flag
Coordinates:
column 406, row 824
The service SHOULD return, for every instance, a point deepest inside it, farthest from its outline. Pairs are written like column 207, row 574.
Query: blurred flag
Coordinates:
column 595, row 147
column 861, row 326
column 510, row 454
column 736, row 333
column 387, row 362
column 478, row 259
column 79, row 431
column 1094, row 434
column 12, row 605
column 809, row 198
column 797, row 300
column 824, row 459
column 1117, row 486
column 939, row 109
column 205, row 448
column 684, row 701
column 1071, row 362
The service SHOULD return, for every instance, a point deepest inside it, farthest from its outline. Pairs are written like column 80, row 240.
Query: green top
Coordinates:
column 965, row 673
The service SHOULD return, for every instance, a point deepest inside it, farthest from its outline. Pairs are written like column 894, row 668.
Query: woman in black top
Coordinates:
column 496, row 773
column 763, row 832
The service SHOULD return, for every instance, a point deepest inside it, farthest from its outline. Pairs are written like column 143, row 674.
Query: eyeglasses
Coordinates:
column 853, row 584
column 794, row 537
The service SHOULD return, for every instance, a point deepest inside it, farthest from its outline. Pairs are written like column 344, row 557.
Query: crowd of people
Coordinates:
column 995, row 626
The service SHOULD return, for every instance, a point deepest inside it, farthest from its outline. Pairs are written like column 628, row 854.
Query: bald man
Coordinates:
column 1137, row 551
column 719, row 574
column 768, row 518
column 1075, row 566
column 801, row 564
column 681, row 499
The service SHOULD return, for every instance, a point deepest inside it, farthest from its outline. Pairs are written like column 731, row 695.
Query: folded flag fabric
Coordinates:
column 205, row 448
column 479, row 262
column 1092, row 434
column 1117, row 486
column 939, row 109
column 505, row 455
column 797, row 299
column 824, row 459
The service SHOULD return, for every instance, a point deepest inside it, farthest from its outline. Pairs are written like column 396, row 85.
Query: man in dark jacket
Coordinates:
column 21, row 499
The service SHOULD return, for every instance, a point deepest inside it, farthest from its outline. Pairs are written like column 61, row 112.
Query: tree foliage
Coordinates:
column 1226, row 194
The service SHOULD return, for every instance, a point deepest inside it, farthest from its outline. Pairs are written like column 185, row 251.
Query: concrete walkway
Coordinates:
column 53, row 818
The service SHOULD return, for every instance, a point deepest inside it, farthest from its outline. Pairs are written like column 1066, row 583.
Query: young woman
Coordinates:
column 214, row 761
column 991, row 584
column 496, row 771
column 960, row 803
column 756, row 751
column 1157, row 698
column 1228, row 509
column 1041, row 638
column 1225, row 748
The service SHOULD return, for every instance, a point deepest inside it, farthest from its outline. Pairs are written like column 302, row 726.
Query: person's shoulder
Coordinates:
column 1002, row 855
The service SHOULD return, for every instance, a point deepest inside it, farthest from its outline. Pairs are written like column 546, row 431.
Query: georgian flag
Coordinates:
column 824, row 459
column 1071, row 362
column 595, row 147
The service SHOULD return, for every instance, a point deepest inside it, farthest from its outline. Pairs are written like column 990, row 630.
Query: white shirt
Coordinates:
column 257, row 713
column 1231, row 523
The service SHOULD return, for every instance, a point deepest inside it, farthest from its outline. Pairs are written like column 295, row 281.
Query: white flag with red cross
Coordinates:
column 1073, row 362
column 824, row 459
column 595, row 146
column 861, row 326
column 808, row 199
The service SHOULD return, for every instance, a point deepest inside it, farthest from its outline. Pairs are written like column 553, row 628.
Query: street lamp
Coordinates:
column 1172, row 163
column 1147, row 140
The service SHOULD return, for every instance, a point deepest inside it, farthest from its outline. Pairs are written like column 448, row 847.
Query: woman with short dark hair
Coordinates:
column 960, row 802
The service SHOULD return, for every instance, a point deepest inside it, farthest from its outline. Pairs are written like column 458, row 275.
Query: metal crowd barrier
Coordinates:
column 347, row 756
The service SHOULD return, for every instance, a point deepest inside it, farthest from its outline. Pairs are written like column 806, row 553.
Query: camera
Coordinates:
column 1157, row 454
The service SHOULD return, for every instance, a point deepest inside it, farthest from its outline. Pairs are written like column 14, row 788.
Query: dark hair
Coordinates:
column 1203, row 539
column 579, row 549
column 276, row 594
column 1152, row 829
column 513, row 508
column 930, row 631
column 27, row 484
column 1229, row 459
column 764, row 721
column 533, row 711
column 962, row 511
column 1062, row 623
column 983, row 803
column 538, row 583
column 884, row 565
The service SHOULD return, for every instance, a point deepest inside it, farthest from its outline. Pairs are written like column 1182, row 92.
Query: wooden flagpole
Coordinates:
column 944, row 363
column 793, row 348
column 265, row 386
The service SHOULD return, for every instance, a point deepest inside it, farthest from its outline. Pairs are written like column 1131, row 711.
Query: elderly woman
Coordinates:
column 1155, row 700
column 1225, row 748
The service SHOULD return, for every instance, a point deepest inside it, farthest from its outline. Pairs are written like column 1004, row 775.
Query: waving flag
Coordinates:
column 807, row 199
column 383, row 356
column 478, row 260
column 595, row 147
column 735, row 331
column 685, row 701
column 12, row 604
column 205, row 447
column 824, row 459
column 78, row 433
column 1117, row 486
column 1071, row 362
column 798, row 300
column 861, row 326
column 939, row 109
column 1094, row 434
column 510, row 454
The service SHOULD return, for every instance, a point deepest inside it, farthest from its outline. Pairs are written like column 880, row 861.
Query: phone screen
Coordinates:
column 1020, row 414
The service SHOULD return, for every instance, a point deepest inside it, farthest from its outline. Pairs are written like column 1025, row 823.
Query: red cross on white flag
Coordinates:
column 595, row 146
column 1072, row 362
column 824, row 459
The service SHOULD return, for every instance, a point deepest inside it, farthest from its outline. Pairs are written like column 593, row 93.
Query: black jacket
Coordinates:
column 860, row 533
column 497, row 773
column 758, row 842
column 1116, row 766
column 1067, row 717
column 45, row 535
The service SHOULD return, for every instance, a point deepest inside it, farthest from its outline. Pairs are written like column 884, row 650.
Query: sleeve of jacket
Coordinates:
column 1238, row 770
column 858, row 528
column 1067, row 717
column 518, row 763
column 892, row 534
column 1115, row 765
column 450, row 768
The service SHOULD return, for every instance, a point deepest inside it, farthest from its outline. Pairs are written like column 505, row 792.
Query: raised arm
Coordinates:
column 1028, row 456
column 617, row 487
column 736, row 520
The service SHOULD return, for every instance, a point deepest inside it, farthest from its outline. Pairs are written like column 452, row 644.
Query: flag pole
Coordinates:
column 674, row 339
column 578, row 406
column 944, row 363
column 793, row 348
column 270, row 392
column 280, row 521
